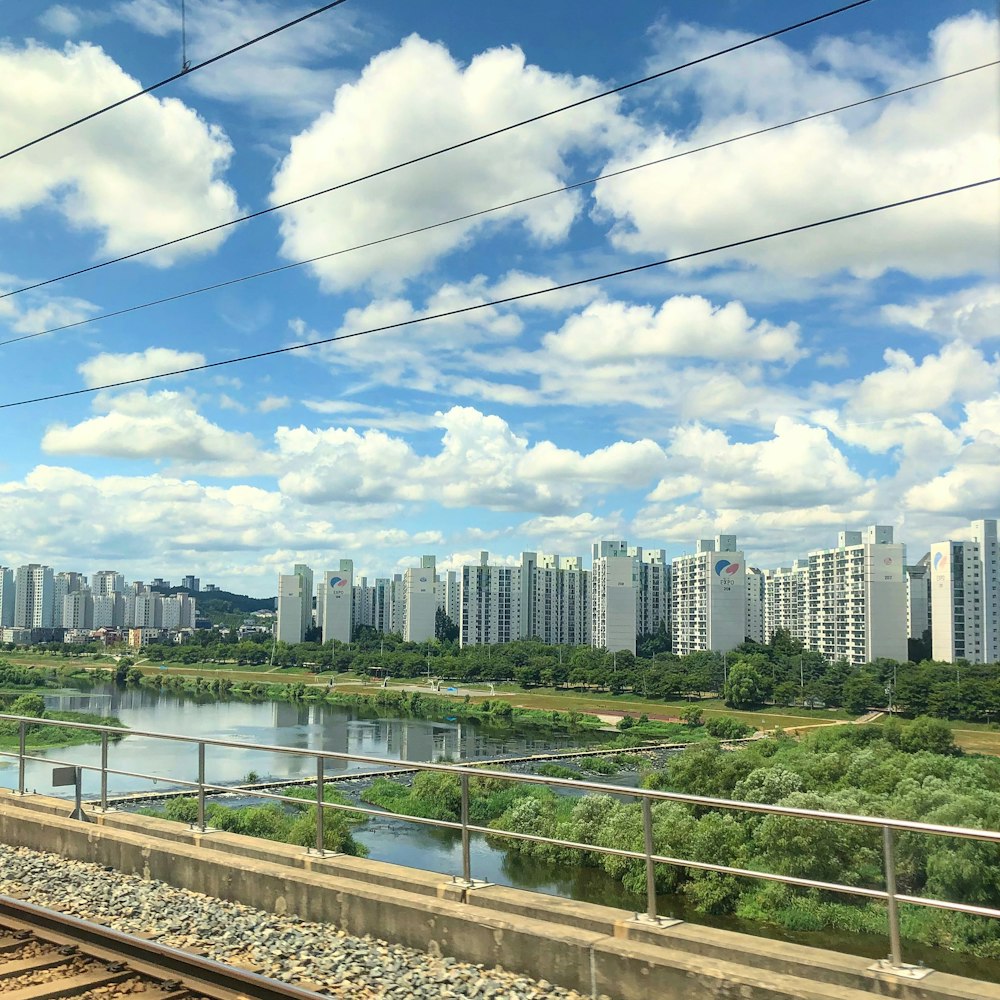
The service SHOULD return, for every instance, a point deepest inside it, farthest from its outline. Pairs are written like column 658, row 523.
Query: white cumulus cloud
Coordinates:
column 148, row 171
column 384, row 118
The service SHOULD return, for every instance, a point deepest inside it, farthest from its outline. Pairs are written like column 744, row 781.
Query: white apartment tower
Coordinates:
column 614, row 593
column 363, row 610
column 447, row 590
column 785, row 600
column 303, row 571
column 34, row 596
column 291, row 598
column 78, row 609
column 420, row 600
column 6, row 597
column 560, row 599
column 708, row 591
column 856, row 597
column 755, row 604
column 984, row 533
column 107, row 581
column 336, row 602
column 109, row 610
column 490, row 603
column 652, row 608
column 382, row 609
column 65, row 583
column 918, row 598
column 964, row 597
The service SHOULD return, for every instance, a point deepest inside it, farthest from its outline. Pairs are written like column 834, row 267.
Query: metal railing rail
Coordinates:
column 647, row 797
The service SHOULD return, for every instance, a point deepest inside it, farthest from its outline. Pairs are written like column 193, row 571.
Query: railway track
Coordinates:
column 46, row 955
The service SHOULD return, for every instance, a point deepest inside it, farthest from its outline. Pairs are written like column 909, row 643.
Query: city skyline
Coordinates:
column 455, row 561
column 777, row 392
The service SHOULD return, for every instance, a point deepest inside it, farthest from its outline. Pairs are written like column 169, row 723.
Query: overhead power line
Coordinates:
column 438, row 152
column 428, row 317
column 186, row 70
column 486, row 211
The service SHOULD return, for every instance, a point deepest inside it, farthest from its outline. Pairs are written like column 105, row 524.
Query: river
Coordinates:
column 348, row 730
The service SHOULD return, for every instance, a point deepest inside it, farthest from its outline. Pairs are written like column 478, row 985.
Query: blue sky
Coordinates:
column 829, row 379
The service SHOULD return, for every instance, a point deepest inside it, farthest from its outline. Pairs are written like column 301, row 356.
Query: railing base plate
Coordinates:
column 202, row 829
column 313, row 853
column 645, row 918
column 472, row 883
column 911, row 972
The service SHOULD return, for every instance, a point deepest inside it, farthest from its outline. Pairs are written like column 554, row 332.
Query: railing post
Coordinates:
column 104, row 772
column 21, row 739
column 466, row 854
column 320, row 844
column 201, row 787
column 647, row 834
column 895, row 950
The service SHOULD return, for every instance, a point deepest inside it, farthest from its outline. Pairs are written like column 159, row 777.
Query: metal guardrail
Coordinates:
column 894, row 965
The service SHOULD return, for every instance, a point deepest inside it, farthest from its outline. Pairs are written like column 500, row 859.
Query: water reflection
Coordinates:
column 300, row 726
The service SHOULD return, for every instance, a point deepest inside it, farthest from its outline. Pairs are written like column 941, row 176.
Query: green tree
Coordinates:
column 925, row 733
column 444, row 628
column 29, row 704
column 693, row 716
column 861, row 692
column 744, row 687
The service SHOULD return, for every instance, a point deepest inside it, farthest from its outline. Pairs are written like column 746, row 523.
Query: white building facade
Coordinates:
column 336, row 599
column 708, row 591
column 34, row 596
column 965, row 621
column 856, row 598
column 6, row 597
column 614, row 596
column 420, row 601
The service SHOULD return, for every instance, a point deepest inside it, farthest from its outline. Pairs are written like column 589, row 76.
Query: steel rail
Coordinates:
column 172, row 961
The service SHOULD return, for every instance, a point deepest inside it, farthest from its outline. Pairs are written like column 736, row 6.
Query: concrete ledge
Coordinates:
column 590, row 948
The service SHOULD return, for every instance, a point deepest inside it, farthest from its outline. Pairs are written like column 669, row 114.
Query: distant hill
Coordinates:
column 223, row 602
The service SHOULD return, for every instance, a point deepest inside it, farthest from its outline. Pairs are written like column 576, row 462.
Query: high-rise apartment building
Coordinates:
column 652, row 599
column 964, row 597
column 420, row 600
column 77, row 609
column 306, row 575
column 64, row 583
column 490, row 601
column 177, row 611
column 382, row 606
column 614, row 597
column 34, row 597
column 363, row 609
column 448, row 590
column 109, row 611
column 984, row 533
column 191, row 584
column 856, row 597
column 918, row 598
column 755, row 604
column 336, row 598
column 6, row 597
column 559, row 604
column 291, row 599
column 708, row 592
column 107, row 581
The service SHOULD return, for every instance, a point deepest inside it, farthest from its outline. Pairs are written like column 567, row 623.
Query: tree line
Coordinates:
column 779, row 673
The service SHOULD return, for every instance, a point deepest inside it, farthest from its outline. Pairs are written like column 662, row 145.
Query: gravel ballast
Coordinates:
column 281, row 947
